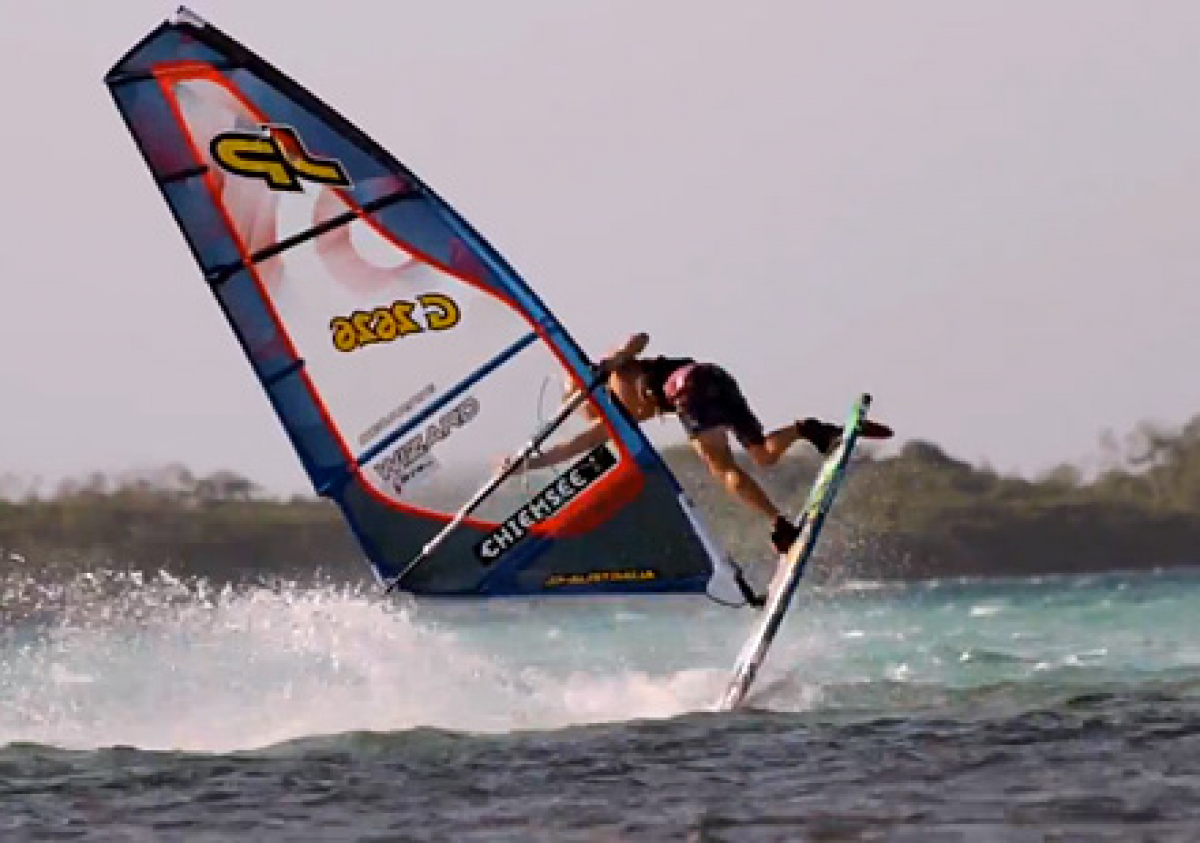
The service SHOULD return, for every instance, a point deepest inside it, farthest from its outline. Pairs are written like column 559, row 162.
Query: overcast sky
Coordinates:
column 984, row 213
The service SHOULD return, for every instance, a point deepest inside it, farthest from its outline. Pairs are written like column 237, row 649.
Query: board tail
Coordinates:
column 400, row 351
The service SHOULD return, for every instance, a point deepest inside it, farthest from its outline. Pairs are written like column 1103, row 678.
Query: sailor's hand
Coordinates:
column 633, row 346
column 511, row 464
column 516, row 465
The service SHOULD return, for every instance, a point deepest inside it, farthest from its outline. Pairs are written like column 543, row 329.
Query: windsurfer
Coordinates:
column 710, row 405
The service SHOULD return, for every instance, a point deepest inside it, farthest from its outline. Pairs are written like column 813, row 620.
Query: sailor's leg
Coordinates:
column 823, row 435
column 713, row 447
column 718, row 402
column 773, row 446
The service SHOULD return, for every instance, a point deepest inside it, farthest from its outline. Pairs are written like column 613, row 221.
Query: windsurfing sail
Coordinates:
column 787, row 579
column 401, row 353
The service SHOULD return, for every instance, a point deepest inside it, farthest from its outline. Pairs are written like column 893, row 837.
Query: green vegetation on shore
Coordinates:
column 918, row 514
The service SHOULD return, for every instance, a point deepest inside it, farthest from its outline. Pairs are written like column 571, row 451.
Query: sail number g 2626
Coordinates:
column 430, row 312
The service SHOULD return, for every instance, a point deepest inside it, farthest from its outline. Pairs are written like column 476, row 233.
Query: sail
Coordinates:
column 401, row 353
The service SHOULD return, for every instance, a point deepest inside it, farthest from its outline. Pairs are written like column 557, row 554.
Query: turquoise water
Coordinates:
column 1069, row 704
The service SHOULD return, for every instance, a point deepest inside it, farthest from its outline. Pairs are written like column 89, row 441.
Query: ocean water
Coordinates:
column 1048, row 709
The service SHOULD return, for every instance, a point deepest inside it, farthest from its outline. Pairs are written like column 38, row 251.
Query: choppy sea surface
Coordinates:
column 1048, row 709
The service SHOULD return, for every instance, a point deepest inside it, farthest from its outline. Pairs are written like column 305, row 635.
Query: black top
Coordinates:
column 656, row 371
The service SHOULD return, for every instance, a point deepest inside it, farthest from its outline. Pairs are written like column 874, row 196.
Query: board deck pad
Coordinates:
column 791, row 566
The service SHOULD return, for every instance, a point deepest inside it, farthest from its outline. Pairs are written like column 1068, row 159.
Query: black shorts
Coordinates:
column 710, row 397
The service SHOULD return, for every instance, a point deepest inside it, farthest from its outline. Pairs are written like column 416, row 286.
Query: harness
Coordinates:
column 664, row 378
column 677, row 382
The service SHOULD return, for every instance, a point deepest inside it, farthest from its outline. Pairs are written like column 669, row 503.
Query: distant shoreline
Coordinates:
column 915, row 516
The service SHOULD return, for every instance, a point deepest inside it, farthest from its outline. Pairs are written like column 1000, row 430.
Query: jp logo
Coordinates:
column 277, row 156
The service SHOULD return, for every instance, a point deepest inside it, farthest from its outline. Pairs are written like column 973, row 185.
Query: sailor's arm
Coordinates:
column 580, row 443
column 633, row 346
column 596, row 432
